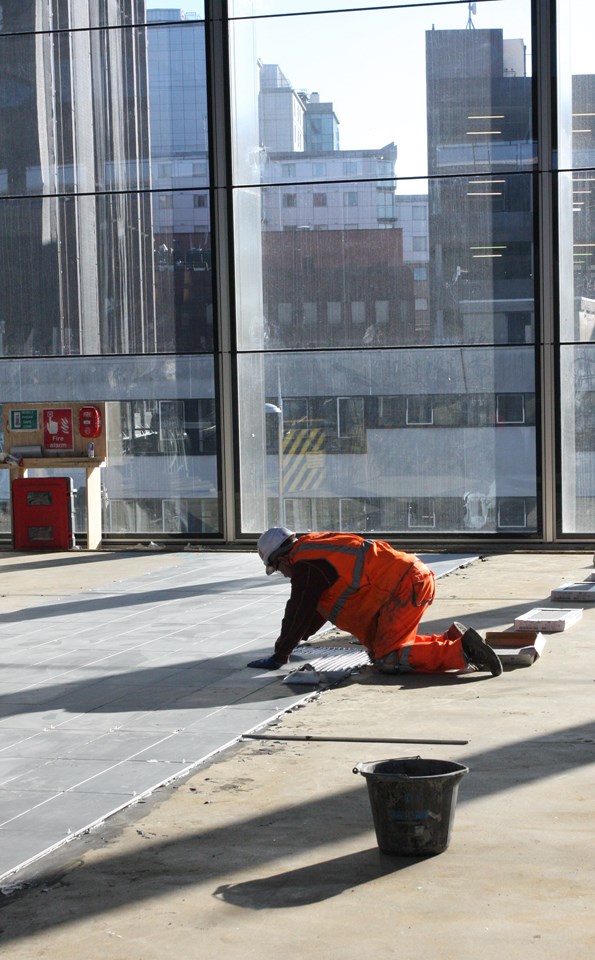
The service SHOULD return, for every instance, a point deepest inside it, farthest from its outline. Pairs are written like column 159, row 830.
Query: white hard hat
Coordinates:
column 269, row 542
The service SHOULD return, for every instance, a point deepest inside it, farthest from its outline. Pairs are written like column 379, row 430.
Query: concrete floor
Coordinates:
column 269, row 848
column 108, row 693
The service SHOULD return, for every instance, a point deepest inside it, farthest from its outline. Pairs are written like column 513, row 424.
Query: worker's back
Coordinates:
column 369, row 573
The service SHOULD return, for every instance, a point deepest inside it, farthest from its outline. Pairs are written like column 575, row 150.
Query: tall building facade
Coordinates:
column 292, row 325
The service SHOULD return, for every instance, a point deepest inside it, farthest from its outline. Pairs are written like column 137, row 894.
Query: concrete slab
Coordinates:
column 271, row 848
column 136, row 661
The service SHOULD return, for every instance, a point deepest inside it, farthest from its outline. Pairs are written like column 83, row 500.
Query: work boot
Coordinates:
column 478, row 651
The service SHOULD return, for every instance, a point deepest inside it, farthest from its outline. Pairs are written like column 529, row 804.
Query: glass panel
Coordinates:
column 386, row 227
column 111, row 274
column 162, row 473
column 467, row 105
column 103, row 110
column 365, row 236
column 463, row 274
column 407, row 440
column 576, row 183
column 19, row 17
column 577, row 433
column 576, row 86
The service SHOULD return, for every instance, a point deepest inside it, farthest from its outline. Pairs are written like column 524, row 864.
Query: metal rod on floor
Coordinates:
column 263, row 736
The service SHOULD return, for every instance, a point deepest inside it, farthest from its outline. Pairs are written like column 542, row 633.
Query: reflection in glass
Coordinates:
column 424, row 69
column 112, row 274
column 342, row 244
column 576, row 183
column 577, row 423
column 404, row 440
column 576, row 180
column 385, row 221
column 105, row 230
column 17, row 17
column 458, row 267
column 64, row 133
column 161, row 475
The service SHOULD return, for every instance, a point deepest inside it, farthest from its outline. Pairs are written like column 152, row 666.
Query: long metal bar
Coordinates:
column 217, row 61
column 546, row 335
column 307, row 737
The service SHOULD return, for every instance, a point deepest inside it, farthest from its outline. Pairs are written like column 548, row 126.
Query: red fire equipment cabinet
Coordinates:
column 49, row 436
column 42, row 513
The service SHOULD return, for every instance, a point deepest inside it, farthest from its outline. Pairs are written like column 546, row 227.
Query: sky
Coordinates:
column 371, row 64
column 377, row 86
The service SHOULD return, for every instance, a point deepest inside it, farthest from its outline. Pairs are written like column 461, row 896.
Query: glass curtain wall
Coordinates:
column 385, row 185
column 105, row 236
column 384, row 321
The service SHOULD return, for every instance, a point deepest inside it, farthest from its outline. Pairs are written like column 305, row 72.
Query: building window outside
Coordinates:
column 358, row 312
column 510, row 408
column 512, row 514
column 106, row 239
column 310, row 314
column 421, row 514
column 320, row 199
column 382, row 312
column 352, row 514
column 420, row 411
column 350, row 418
column 334, row 313
column 298, row 513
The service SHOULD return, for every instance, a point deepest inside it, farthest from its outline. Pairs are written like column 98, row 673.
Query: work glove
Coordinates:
column 266, row 663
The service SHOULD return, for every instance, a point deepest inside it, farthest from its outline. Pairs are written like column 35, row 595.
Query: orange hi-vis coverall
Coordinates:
column 380, row 596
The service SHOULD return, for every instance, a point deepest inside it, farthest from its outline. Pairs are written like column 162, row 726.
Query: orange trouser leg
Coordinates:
column 397, row 643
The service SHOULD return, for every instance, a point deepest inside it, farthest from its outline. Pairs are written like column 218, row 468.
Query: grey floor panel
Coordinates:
column 108, row 694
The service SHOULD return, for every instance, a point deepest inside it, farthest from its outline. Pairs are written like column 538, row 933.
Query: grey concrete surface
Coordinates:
column 108, row 693
column 269, row 849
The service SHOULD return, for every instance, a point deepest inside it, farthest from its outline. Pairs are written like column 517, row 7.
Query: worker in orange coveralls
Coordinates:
column 369, row 589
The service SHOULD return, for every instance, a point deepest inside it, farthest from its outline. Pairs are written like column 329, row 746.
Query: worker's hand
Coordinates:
column 267, row 663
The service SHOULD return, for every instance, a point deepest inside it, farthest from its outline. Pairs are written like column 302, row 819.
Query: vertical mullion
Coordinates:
column 220, row 148
column 547, row 264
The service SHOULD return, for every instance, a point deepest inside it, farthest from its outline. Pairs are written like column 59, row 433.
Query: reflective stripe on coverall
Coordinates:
column 380, row 596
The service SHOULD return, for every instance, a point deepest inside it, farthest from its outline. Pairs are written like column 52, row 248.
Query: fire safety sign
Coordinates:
column 58, row 429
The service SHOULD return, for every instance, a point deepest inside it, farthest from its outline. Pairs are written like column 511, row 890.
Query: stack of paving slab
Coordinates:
column 524, row 644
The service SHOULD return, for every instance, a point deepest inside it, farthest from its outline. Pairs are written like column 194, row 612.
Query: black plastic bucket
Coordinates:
column 413, row 803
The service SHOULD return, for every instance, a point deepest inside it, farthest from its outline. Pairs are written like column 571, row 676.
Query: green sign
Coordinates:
column 24, row 420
